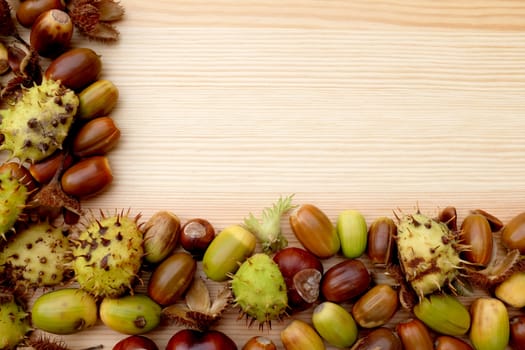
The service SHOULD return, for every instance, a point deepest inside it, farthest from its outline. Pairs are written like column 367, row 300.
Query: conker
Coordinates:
column 259, row 343
column 136, row 342
column 51, row 33
column 190, row 339
column 196, row 235
column 291, row 262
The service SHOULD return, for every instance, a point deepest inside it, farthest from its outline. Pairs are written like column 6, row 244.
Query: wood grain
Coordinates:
column 372, row 105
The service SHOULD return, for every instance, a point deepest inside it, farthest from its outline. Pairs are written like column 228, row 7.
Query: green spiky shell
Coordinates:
column 108, row 255
column 259, row 289
column 427, row 253
column 37, row 124
column 14, row 324
column 37, row 256
column 13, row 196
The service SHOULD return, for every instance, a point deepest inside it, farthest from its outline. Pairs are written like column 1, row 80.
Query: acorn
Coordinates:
column 490, row 328
column 299, row 335
column 75, row 68
column 29, row 10
column 97, row 100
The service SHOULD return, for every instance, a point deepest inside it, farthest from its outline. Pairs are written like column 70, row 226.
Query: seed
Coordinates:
column 334, row 324
column 51, row 33
column 517, row 332
column 379, row 339
column 136, row 342
column 376, row 307
column 172, row 278
column 315, row 231
column 490, row 328
column 132, row 314
column 443, row 313
column 196, row 235
column 447, row 342
column 88, row 177
column 64, row 311
column 299, row 335
column 345, row 280
column 477, row 235
column 511, row 290
column 259, row 343
column 96, row 137
column 414, row 335
column 4, row 59
column 381, row 244
column 352, row 233
column 161, row 235
column 227, row 251
column 449, row 217
column 44, row 171
column 97, row 100
column 29, row 10
column 75, row 68
column 513, row 233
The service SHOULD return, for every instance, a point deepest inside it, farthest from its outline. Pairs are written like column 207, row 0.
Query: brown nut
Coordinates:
column 196, row 235
column 161, row 235
column 345, row 280
column 449, row 217
column 87, row 177
column 517, row 332
column 4, row 59
column 96, row 137
column 299, row 335
column 447, row 342
column 380, row 338
column 51, row 33
column 376, row 307
column 44, row 171
column 20, row 173
column 97, row 100
column 172, row 278
column 259, row 343
column 75, row 68
column 477, row 236
column 315, row 231
column 29, row 10
column 513, row 233
column 495, row 223
column 381, row 244
column 414, row 335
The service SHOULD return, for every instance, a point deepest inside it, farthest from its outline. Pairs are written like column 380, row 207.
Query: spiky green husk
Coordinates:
column 13, row 197
column 427, row 252
column 37, row 256
column 259, row 289
column 14, row 323
column 108, row 255
column 267, row 229
column 37, row 124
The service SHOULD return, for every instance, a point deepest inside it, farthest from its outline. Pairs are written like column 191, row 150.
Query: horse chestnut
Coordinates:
column 190, row 339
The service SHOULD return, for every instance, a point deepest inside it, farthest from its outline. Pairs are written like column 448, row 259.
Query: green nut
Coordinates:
column 352, row 232
column 97, row 100
column 64, row 311
column 511, row 290
column 334, row 324
column 227, row 251
column 490, row 329
column 132, row 314
column 443, row 313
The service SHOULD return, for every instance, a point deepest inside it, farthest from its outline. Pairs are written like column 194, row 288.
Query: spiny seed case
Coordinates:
column 37, row 124
column 14, row 323
column 13, row 196
column 428, row 253
column 108, row 255
column 259, row 289
column 36, row 256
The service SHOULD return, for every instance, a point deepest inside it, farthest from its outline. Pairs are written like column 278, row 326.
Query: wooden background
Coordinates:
column 370, row 105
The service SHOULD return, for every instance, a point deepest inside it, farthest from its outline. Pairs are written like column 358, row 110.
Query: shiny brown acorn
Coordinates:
column 345, row 280
column 75, row 68
column 381, row 244
column 476, row 234
column 88, row 177
column 414, row 335
column 315, row 231
column 96, row 137
column 29, row 10
column 172, row 278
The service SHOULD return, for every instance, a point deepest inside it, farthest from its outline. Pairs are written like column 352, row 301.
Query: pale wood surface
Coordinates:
column 372, row 105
